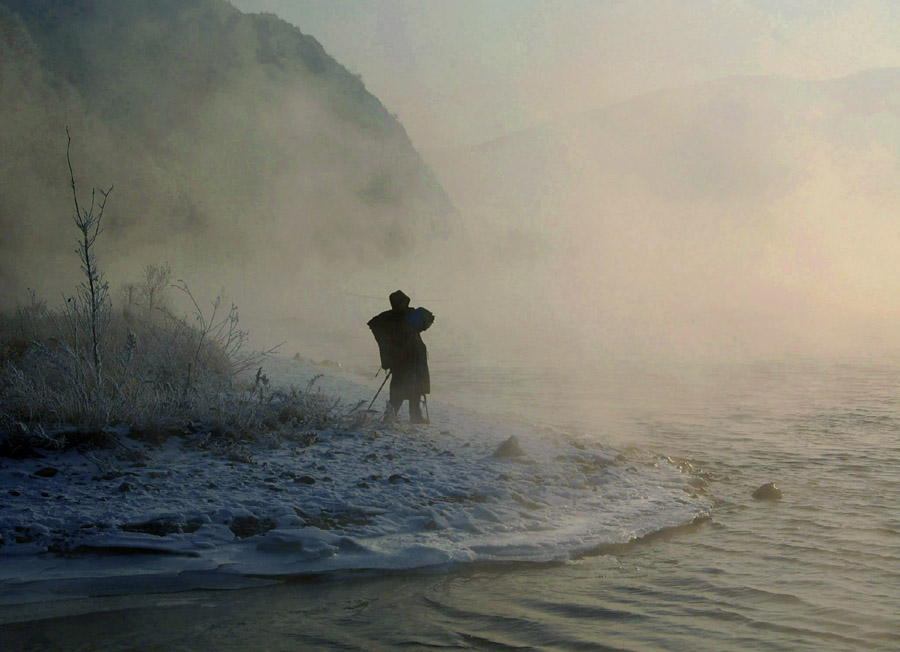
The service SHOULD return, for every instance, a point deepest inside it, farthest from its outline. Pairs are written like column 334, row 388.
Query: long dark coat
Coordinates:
column 398, row 333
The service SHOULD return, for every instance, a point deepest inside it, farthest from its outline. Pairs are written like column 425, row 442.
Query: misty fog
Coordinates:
column 747, row 216
column 752, row 216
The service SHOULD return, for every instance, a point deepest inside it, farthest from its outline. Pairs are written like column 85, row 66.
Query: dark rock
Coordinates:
column 362, row 484
column 127, row 486
column 768, row 492
column 13, row 492
column 305, row 479
column 248, row 526
column 509, row 448
column 158, row 528
column 192, row 526
column 46, row 472
column 46, row 494
column 397, row 478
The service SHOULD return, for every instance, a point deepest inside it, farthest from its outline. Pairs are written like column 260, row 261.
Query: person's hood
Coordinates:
column 399, row 301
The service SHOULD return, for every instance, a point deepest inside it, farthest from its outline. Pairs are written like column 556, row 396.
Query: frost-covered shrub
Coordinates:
column 151, row 374
column 85, row 367
column 172, row 375
column 257, row 412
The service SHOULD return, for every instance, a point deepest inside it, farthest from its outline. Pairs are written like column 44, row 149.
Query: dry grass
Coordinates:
column 159, row 377
column 83, row 372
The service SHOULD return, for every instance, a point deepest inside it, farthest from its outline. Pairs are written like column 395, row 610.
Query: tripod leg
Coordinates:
column 379, row 389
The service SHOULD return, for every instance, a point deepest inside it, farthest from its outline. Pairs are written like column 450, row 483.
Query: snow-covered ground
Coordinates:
column 177, row 516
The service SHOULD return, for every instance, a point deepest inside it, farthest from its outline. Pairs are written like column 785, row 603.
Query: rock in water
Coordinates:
column 768, row 492
column 509, row 448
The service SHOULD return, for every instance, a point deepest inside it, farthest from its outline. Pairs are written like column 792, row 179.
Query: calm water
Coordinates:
column 819, row 570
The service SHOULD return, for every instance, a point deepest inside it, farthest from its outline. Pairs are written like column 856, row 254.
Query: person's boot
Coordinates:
column 415, row 413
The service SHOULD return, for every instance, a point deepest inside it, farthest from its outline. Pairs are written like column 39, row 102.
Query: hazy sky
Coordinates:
column 746, row 215
column 465, row 71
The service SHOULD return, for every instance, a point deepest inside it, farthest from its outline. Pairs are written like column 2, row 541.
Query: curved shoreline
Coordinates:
column 372, row 497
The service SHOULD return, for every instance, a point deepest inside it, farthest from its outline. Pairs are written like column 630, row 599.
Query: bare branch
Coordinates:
column 72, row 175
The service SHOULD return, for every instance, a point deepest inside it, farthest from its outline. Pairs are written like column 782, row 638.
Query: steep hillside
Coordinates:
column 235, row 142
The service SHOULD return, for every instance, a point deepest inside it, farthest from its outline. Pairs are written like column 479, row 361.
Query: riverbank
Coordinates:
column 363, row 495
column 813, row 571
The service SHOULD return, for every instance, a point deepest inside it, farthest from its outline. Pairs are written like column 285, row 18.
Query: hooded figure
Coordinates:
column 398, row 333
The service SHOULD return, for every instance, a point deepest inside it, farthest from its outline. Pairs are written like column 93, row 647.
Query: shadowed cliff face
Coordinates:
column 240, row 151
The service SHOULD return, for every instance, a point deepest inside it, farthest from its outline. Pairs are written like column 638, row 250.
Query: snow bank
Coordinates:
column 370, row 498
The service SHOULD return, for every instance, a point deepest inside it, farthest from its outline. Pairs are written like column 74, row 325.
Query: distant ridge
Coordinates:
column 703, row 140
column 879, row 81
column 747, row 211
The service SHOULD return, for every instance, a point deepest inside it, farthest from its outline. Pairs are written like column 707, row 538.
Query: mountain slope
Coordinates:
column 234, row 142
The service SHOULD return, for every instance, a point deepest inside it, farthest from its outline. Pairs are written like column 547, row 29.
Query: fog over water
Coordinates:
column 659, row 179
column 652, row 179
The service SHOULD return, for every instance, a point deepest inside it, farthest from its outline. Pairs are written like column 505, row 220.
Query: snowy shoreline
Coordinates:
column 177, row 515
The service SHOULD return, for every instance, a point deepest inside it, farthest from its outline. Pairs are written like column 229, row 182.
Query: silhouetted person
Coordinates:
column 398, row 333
